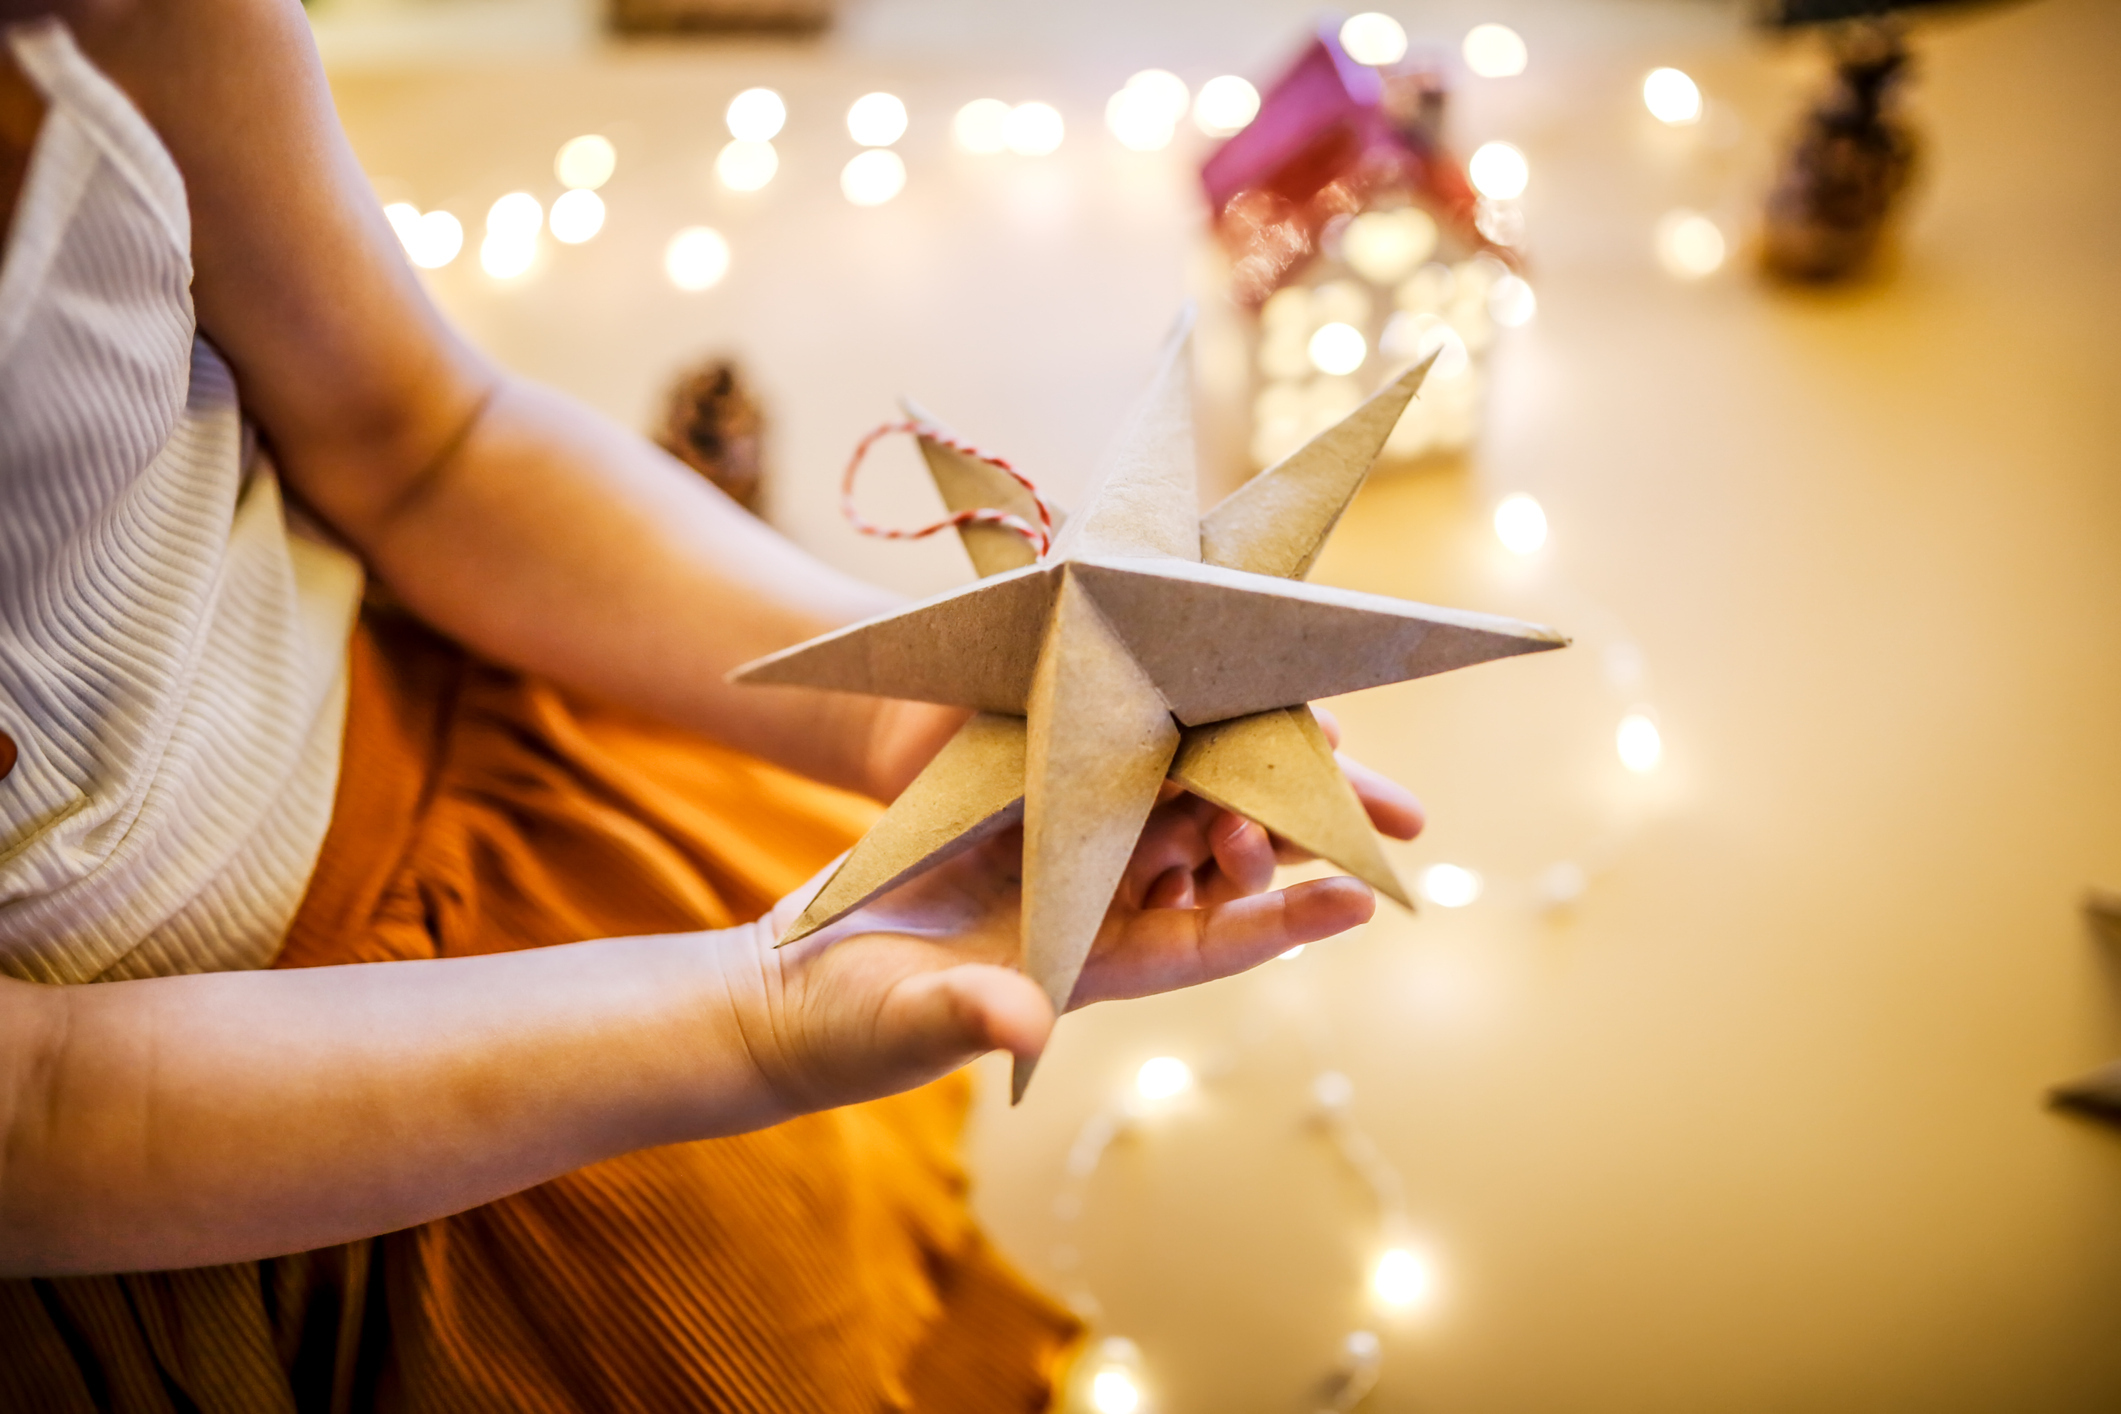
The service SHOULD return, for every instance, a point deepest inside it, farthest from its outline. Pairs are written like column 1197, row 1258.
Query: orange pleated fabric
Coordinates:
column 825, row 1265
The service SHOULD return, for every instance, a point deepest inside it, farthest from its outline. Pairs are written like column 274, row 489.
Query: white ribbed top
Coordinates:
column 172, row 660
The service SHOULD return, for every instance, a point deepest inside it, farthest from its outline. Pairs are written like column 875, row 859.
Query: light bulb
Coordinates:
column 1373, row 39
column 876, row 120
column 1402, row 1278
column 1033, row 129
column 1338, row 348
column 1162, row 1077
column 1494, row 51
column 577, row 216
column 1115, row 1392
column 982, row 126
column 743, row 165
column 696, row 259
column 1671, row 97
column 1225, row 105
column 1450, row 885
column 873, row 177
column 756, row 115
column 1639, row 744
column 1520, row 524
column 1689, row 245
column 1499, row 171
column 585, row 163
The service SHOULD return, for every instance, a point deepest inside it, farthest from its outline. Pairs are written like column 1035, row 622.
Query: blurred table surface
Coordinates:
column 1757, row 1122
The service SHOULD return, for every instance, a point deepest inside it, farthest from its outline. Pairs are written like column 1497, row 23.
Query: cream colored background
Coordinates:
column 1754, row 1126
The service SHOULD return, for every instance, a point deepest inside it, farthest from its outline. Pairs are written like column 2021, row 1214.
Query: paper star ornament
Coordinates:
column 1150, row 641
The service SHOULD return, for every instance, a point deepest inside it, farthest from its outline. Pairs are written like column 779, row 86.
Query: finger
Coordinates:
column 936, row 1021
column 1173, row 889
column 1243, row 852
column 1175, row 837
column 1168, row 948
column 1327, row 723
column 1393, row 809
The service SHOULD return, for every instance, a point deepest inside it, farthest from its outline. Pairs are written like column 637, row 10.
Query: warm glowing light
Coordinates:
column 1689, row 245
column 515, row 215
column 1671, row 97
column 1371, row 38
column 982, row 126
column 1383, row 246
column 1415, row 336
column 585, row 163
column 1403, row 1278
column 1520, row 524
column 697, row 258
column 1140, row 118
column 1163, row 1077
column 1292, row 954
column 576, row 216
column 876, row 120
column 1338, row 348
column 435, row 240
column 743, row 165
column 505, row 257
column 873, row 177
column 1511, row 302
column 1033, row 129
column 1162, row 91
column 756, row 115
column 1640, row 746
column 1499, row 171
column 1225, row 105
column 1449, row 885
column 1494, row 51
column 404, row 218
column 1114, row 1392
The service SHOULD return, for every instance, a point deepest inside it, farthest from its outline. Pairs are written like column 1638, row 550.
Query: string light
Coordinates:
column 756, row 115
column 585, row 163
column 1689, row 245
column 1225, row 105
column 1494, row 51
column 1162, row 1077
column 876, row 120
column 1520, row 524
column 982, row 126
column 434, row 241
column 577, row 216
column 1144, row 115
column 1450, row 885
column 1373, row 39
column 1338, row 348
column 1033, row 129
column 1671, row 97
column 511, row 243
column 744, row 164
column 873, row 177
column 696, row 259
column 1640, row 745
column 1499, row 171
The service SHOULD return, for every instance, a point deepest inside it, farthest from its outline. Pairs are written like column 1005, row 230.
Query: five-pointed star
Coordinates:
column 1149, row 641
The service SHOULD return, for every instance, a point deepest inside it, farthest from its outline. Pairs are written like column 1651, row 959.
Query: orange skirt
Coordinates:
column 828, row 1264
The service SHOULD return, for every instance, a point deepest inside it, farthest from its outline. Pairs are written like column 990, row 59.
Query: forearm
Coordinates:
column 195, row 1120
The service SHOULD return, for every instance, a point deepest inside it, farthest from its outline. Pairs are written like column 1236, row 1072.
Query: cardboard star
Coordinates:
column 1150, row 641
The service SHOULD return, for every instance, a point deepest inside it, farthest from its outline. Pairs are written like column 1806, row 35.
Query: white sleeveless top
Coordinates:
column 172, row 659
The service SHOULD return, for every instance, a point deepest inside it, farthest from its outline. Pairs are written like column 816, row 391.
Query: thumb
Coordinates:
column 939, row 1020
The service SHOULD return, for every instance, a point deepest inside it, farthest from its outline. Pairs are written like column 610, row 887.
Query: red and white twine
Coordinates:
column 1040, row 535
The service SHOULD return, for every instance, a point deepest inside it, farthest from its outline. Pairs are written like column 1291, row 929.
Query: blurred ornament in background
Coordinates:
column 713, row 424
column 1835, row 197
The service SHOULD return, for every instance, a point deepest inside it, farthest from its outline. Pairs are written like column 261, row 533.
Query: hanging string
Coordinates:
column 1040, row 536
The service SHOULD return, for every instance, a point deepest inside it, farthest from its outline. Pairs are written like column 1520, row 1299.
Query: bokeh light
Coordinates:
column 585, row 163
column 1494, row 51
column 1225, row 105
column 1162, row 1077
column 756, row 115
column 577, row 216
column 1403, row 1278
column 696, row 259
column 511, row 243
column 435, row 241
column 1144, row 115
column 1034, row 129
column 744, row 165
column 873, row 177
column 1384, row 246
column 1114, row 1391
column 1450, row 885
column 1374, row 39
column 876, row 120
column 1671, row 97
column 1689, row 245
column 1520, row 524
column 1499, row 171
column 1640, row 744
column 982, row 126
column 1338, row 348
column 1511, row 302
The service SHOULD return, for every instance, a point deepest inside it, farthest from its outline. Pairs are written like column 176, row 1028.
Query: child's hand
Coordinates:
column 924, row 979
